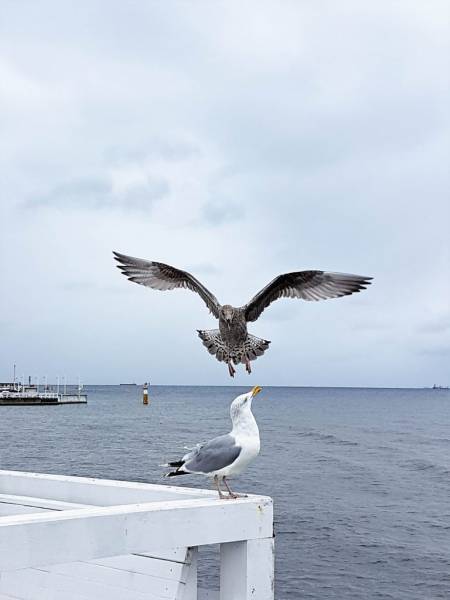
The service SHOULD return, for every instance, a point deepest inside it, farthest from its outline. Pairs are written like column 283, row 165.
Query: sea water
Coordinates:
column 360, row 477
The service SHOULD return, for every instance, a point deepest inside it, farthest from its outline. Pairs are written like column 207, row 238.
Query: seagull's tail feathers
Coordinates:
column 175, row 473
column 179, row 468
column 249, row 350
column 177, row 463
column 254, row 347
column 213, row 342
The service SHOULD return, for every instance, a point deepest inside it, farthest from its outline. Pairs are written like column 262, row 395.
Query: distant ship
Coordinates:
column 440, row 387
column 127, row 383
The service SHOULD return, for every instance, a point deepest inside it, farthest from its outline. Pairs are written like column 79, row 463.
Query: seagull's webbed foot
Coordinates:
column 232, row 495
column 231, row 369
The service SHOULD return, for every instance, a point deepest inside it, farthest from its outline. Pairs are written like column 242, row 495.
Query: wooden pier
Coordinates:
column 74, row 538
column 20, row 394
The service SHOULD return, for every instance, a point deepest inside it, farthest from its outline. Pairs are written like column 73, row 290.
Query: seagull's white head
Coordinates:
column 243, row 403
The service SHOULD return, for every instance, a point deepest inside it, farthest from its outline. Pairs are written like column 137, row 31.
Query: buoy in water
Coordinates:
column 145, row 394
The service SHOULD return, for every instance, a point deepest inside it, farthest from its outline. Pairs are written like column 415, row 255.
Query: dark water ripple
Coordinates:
column 360, row 478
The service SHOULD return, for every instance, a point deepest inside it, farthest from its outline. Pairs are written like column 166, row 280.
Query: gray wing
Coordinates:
column 159, row 276
column 307, row 285
column 212, row 456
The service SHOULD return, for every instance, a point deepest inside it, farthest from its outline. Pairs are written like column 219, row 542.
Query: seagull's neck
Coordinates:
column 244, row 423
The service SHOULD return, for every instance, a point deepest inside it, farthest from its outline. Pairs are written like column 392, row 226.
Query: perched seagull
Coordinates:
column 232, row 343
column 228, row 454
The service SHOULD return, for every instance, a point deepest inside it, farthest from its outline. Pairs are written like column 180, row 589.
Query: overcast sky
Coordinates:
column 237, row 140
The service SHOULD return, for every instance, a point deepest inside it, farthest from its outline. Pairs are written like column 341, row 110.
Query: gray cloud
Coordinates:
column 140, row 152
column 239, row 141
column 98, row 194
column 437, row 325
column 78, row 286
column 218, row 212
column 439, row 350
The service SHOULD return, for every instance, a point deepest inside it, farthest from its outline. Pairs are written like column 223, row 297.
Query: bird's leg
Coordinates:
column 217, row 484
column 231, row 369
column 232, row 494
column 230, row 491
column 248, row 366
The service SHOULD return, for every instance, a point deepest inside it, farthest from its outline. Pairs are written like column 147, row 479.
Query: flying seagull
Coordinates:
column 232, row 343
column 228, row 454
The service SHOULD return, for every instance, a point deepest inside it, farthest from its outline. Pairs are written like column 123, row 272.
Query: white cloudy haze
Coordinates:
column 237, row 140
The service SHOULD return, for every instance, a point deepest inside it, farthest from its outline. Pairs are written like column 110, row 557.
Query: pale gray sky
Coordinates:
column 238, row 141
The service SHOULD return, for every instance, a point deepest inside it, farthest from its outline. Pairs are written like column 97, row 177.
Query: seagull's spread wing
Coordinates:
column 214, row 455
column 307, row 285
column 159, row 276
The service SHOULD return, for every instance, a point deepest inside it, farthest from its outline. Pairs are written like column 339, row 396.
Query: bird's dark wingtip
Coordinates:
column 118, row 256
column 174, row 473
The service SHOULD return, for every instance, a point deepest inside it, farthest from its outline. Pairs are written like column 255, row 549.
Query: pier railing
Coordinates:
column 79, row 538
column 46, row 395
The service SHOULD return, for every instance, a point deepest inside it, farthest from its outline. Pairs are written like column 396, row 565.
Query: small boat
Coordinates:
column 18, row 393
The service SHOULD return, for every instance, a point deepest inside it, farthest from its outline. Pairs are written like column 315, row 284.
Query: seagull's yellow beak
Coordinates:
column 256, row 390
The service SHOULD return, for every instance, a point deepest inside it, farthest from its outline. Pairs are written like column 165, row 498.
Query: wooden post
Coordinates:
column 189, row 576
column 247, row 570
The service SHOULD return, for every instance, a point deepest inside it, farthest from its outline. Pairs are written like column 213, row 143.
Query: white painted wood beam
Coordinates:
column 31, row 502
column 188, row 589
column 72, row 535
column 247, row 570
column 97, row 492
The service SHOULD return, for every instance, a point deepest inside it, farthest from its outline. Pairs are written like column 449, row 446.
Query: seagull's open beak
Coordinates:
column 256, row 390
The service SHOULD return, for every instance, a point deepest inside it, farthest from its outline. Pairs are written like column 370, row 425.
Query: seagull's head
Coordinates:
column 227, row 314
column 243, row 402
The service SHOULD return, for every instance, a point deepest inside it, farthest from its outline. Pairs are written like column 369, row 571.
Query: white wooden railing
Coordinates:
column 79, row 538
